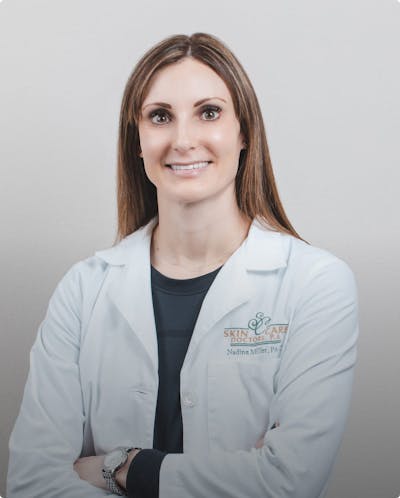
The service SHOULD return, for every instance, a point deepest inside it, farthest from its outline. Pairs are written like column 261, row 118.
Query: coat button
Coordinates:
column 188, row 399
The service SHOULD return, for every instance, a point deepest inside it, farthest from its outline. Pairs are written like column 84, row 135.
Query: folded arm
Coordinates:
column 48, row 434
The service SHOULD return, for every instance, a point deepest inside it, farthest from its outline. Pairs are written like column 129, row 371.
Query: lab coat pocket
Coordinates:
column 239, row 394
column 123, row 417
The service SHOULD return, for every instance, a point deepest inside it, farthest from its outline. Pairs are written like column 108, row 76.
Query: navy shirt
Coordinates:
column 176, row 306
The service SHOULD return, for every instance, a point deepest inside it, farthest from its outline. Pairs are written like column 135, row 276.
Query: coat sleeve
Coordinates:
column 311, row 401
column 48, row 434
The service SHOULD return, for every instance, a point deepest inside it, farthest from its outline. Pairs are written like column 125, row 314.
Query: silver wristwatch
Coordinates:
column 114, row 461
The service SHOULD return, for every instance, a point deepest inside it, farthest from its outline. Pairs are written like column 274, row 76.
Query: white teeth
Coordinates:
column 176, row 167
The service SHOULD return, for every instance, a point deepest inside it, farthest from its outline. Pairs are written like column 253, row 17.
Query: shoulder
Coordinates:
column 309, row 255
column 315, row 268
column 77, row 289
column 95, row 267
column 88, row 274
column 274, row 249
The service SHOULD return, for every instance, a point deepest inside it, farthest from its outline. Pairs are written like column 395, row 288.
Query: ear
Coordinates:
column 244, row 143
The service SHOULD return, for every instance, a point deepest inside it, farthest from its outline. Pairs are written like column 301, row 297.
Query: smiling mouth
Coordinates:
column 188, row 167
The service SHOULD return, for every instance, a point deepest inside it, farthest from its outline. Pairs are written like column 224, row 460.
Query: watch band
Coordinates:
column 109, row 474
column 113, row 486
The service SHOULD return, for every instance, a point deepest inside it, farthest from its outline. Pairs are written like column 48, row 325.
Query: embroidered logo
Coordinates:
column 259, row 337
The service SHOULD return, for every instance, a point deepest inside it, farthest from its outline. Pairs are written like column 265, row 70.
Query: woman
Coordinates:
column 210, row 352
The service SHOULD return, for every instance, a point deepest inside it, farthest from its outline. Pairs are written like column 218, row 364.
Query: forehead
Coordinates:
column 188, row 80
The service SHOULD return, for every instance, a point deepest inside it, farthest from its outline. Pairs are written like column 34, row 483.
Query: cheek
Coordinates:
column 151, row 142
column 223, row 140
column 153, row 145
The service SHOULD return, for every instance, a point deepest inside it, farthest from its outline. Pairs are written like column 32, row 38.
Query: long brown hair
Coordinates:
column 256, row 191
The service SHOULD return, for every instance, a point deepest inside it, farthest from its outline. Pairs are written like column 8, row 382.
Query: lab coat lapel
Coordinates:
column 130, row 289
column 262, row 250
column 230, row 289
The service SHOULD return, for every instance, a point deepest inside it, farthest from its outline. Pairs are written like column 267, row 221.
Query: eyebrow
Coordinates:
column 196, row 104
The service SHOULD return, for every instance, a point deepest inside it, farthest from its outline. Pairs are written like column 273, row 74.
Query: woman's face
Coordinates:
column 188, row 117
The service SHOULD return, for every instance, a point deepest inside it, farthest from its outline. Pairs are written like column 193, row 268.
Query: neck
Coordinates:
column 192, row 245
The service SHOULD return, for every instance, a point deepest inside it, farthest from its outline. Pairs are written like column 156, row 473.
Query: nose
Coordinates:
column 184, row 136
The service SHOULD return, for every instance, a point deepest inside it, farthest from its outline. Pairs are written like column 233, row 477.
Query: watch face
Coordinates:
column 115, row 458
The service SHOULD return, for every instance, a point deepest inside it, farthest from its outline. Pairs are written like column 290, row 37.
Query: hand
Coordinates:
column 260, row 442
column 90, row 469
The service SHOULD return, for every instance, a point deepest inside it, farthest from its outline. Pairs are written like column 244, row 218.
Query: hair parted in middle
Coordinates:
column 255, row 187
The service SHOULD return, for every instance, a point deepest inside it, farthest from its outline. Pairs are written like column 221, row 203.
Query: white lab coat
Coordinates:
column 275, row 341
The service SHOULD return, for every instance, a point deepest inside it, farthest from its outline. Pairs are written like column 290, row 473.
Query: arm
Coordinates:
column 48, row 434
column 311, row 401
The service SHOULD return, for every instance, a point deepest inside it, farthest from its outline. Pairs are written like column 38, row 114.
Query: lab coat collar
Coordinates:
column 263, row 249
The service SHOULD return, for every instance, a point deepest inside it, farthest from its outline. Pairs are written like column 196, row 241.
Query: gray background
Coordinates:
column 327, row 78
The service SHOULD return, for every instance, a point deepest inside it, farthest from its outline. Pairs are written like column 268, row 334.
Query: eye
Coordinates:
column 211, row 109
column 157, row 112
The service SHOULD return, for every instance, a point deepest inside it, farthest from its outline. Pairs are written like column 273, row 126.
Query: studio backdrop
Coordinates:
column 327, row 78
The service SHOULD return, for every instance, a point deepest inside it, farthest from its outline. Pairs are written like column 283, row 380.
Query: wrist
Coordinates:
column 122, row 473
